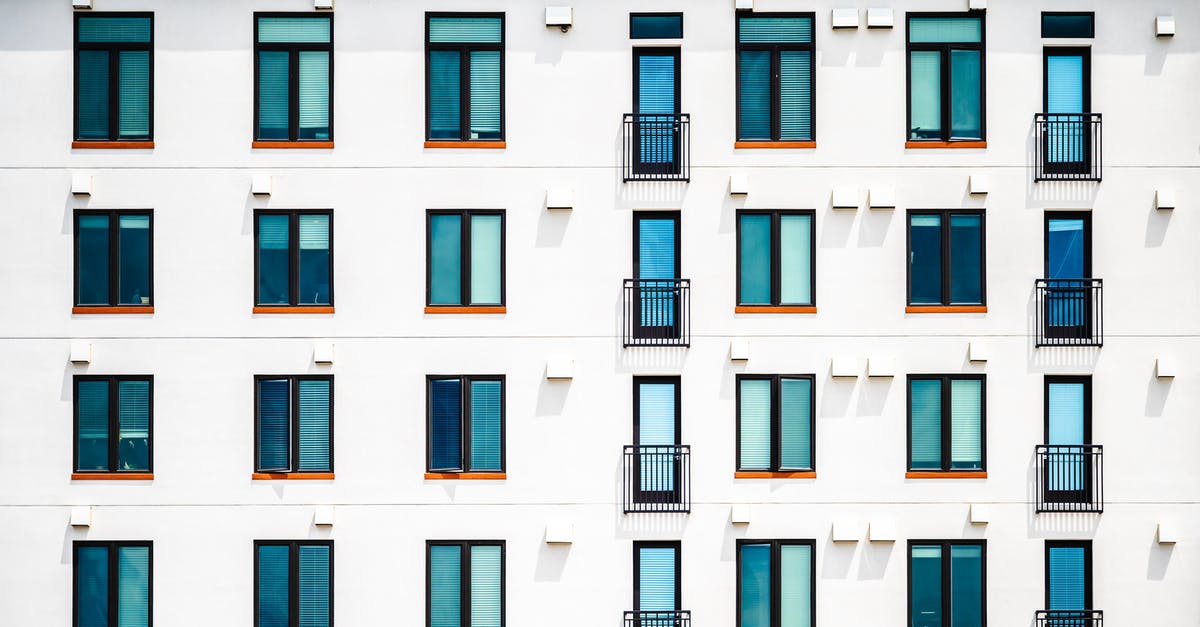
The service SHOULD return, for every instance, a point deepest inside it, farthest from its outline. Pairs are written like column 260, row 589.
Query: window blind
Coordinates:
column 966, row 259
column 274, row 279
column 133, row 91
column 485, row 259
column 445, row 260
column 656, row 97
column 92, row 92
column 656, row 426
column 445, row 94
column 314, row 425
column 965, row 111
column 445, row 586
column 92, row 412
column 445, row 424
column 795, row 95
column 465, row 30
column 1068, row 578
column 314, row 259
column 925, row 93
column 945, row 30
column 273, row 108
column 1064, row 94
column 926, row 410
column 925, row 580
column 1066, row 417
column 313, row 588
column 925, row 259
column 795, row 423
column 656, row 579
column 485, row 425
column 133, row 586
column 756, row 259
column 966, row 586
column 313, row 94
column 485, row 94
column 133, row 260
column 273, row 597
column 775, row 30
column 756, row 585
column 114, row 30
column 295, row 30
column 795, row 259
column 273, row 426
column 91, row 572
column 656, row 248
column 92, row 256
column 485, row 586
column 795, row 585
column 966, row 422
column 755, row 429
column 133, row 417
column 754, row 72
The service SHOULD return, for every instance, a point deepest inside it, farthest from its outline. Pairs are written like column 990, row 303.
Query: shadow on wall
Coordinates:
column 551, row 227
column 1157, row 391
column 873, row 395
column 836, row 394
column 1055, row 525
column 872, row 564
column 873, row 229
column 837, row 558
column 551, row 561
column 1160, row 559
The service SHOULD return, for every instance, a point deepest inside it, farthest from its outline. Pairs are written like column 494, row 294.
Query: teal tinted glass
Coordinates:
column 445, row 259
column 966, row 424
column 656, row 26
column 472, row 30
column 795, row 259
column 445, row 586
column 755, row 580
column 96, row 29
column 925, row 258
column 445, row 94
column 273, row 596
column 1067, row 577
column 314, row 271
column 486, row 409
column 313, row 571
column 795, row 585
column 948, row 30
column 273, row 107
column 133, row 417
column 313, row 94
column 92, row 94
column 91, row 586
column 274, row 280
column 755, row 245
column 966, row 259
column 925, row 94
column 92, row 407
column 134, row 260
column 485, row 94
column 295, row 30
column 795, row 95
column 92, row 260
column 133, row 586
column 925, row 398
column 966, row 119
column 754, row 444
column 775, row 30
column 486, row 261
column 754, row 96
column 133, row 89
column 925, row 580
column 314, row 399
column 486, row 591
column 795, row 423
column 966, row 586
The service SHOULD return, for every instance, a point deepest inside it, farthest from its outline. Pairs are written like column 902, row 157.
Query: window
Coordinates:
column 1069, row 582
column 293, row 583
column 775, row 422
column 947, row 583
column 113, row 258
column 657, row 579
column 946, row 418
column 945, row 258
column 113, row 584
column 113, row 420
column 945, row 77
column 293, row 262
column 466, row 424
column 1056, row 24
column 777, row 583
column 464, row 73
column 465, row 583
column 114, row 77
column 776, row 258
column 656, row 26
column 293, row 77
column 293, row 424
column 775, row 77
column 465, row 259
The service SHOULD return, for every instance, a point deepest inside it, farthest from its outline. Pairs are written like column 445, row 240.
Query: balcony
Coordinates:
column 1070, row 478
column 1068, row 618
column 656, row 147
column 1068, row 146
column 657, row 478
column 677, row 618
column 656, row 312
column 1069, row 312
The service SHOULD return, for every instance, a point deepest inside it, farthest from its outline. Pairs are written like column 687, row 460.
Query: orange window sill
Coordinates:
column 775, row 309
column 113, row 310
column 292, row 476
column 292, row 310
column 940, row 144
column 943, row 309
column 800, row 474
column 311, row 145
column 433, row 309
column 467, row 144
column 915, row 474
column 775, row 145
column 118, row 145
column 466, row 476
column 112, row 476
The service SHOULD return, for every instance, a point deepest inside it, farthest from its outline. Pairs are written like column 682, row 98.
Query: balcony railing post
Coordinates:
column 1069, row 312
column 656, row 147
column 656, row 478
column 656, row 312
column 1069, row 478
column 657, row 618
column 1068, row 618
column 1067, row 146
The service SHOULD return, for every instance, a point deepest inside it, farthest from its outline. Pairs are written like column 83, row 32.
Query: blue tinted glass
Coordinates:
column 314, row 260
column 134, row 260
column 1065, row 248
column 445, row 260
column 925, row 575
column 273, row 602
column 445, row 94
column 756, row 585
column 92, row 92
column 273, row 277
column 1068, row 25
column 754, row 71
column 273, row 426
column 445, row 424
column 91, row 580
column 966, row 259
column 925, row 259
column 966, row 586
column 92, row 256
column 756, row 259
column 92, row 415
column 656, row 27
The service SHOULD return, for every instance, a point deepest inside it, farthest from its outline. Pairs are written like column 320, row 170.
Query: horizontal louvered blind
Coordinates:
column 133, row 416
column 92, row 429
column 294, row 30
column 754, row 446
column 795, row 423
column 656, row 414
column 945, row 30
column 1066, row 409
column 313, row 589
column 1068, row 578
column 486, row 408
column 314, row 232
column 273, row 107
column 464, row 30
column 134, row 94
column 754, row 97
column 273, row 595
column 445, row 586
column 926, row 436
column 795, row 95
column 133, row 586
column 314, row 424
column 91, row 581
column 656, row 579
column 656, row 248
column 114, row 30
column 313, row 94
column 273, row 232
column 485, row 94
column 486, row 577
column 445, row 94
column 445, row 424
column 795, row 260
column 486, row 261
column 925, row 92
column 755, row 579
column 92, row 94
column 795, row 585
column 966, row 423
column 273, row 427
column 775, row 30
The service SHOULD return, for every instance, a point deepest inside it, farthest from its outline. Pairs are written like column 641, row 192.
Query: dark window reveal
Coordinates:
column 113, row 258
column 945, row 257
column 113, row 584
column 1068, row 25
column 293, row 262
column 113, row 423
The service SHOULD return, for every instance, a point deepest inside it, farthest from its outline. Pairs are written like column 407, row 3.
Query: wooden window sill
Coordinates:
column 112, row 476
column 775, row 309
column 941, row 144
column 310, row 145
column 466, row 476
column 755, row 474
column 292, row 476
column 470, row 144
column 121, row 309
column 114, row 145
column 780, row 145
column 964, row 474
column 945, row 309
column 438, row 309
column 292, row 310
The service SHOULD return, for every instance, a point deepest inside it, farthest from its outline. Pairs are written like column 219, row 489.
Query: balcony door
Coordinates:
column 656, row 422
column 1068, row 303
column 1067, row 95
column 1068, row 434
column 1068, row 583
column 656, row 583
column 656, row 107
column 656, row 258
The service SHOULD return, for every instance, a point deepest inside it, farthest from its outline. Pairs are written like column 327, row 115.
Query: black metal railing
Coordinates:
column 1069, row 312
column 1068, row 146
column 656, row 312
column 656, row 478
column 656, row 147
column 1069, row 477
column 1068, row 618
column 651, row 618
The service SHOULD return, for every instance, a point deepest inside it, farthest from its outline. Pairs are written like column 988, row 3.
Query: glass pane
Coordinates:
column 273, row 427
column 445, row 428
column 133, row 258
column 273, row 264
column 754, row 100
column 314, row 260
column 133, row 445
column 756, row 585
column 445, row 586
column 445, row 260
column 294, row 30
column 656, row 27
column 93, row 94
column 795, row 423
column 945, row 30
column 926, row 581
column 754, row 445
column 273, row 108
column 656, row 579
column 656, row 84
column 133, row 586
column 445, row 95
column 465, row 30
column 925, row 259
column 114, row 29
column 756, row 259
column 485, row 586
column 795, row 260
column 795, row 585
column 1082, row 26
column 92, row 256
column 134, row 93
column 273, row 600
column 775, row 30
column 795, row 95
column 92, row 407
column 91, row 579
column 1068, row 578
column 966, row 586
column 1065, row 253
column 485, row 94
column 925, row 87
column 314, row 425
column 966, row 122
column 966, row 423
column 314, row 94
column 656, row 248
column 1067, row 413
column 486, row 408
column 485, row 259
column 926, row 399
column 313, row 591
column 966, row 259
column 656, row 413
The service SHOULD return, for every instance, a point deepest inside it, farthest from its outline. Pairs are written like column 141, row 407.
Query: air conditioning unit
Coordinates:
column 562, row 17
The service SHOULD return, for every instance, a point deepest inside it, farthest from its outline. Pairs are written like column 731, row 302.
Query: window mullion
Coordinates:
column 776, row 570
column 293, row 94
column 114, row 586
column 293, row 258
column 293, row 424
column 776, row 243
column 947, row 133
column 464, row 264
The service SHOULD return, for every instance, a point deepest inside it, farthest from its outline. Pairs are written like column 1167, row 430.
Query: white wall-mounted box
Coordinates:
column 81, row 516
column 323, row 352
column 739, row 184
column 845, row 18
column 1164, row 26
column 81, row 352
column 979, row 350
column 846, row 531
column 1166, row 533
column 880, row 18
column 81, row 4
column 845, row 198
column 978, row 184
column 323, row 516
column 739, row 350
column 743, row 5
column 1164, row 367
column 740, row 514
column 560, row 532
column 560, row 368
column 562, row 17
column 323, row 5
column 882, row 197
column 260, row 185
column 977, row 5
column 845, row 366
column 81, row 184
column 1164, row 198
column 980, row 514
column 560, row 198
column 881, row 366
column 882, row 531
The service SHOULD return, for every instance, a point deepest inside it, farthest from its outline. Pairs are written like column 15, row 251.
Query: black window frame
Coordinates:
column 1088, row 14
column 946, row 580
column 464, row 588
column 114, row 580
column 465, row 418
column 114, row 90
column 464, row 83
column 1086, row 216
column 776, row 578
column 638, row 14
column 948, row 420
column 776, row 95
column 944, row 49
column 293, row 256
column 465, row 256
column 1067, row 51
column 293, row 422
column 674, row 380
column 776, row 420
column 677, row 545
column 114, row 255
column 677, row 217
column 114, row 401
column 293, row 49
column 776, row 244
column 1088, row 564
column 294, row 576
column 945, row 215
column 1088, row 400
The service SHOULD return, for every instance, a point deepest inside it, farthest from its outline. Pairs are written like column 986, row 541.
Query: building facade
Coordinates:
column 784, row 315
